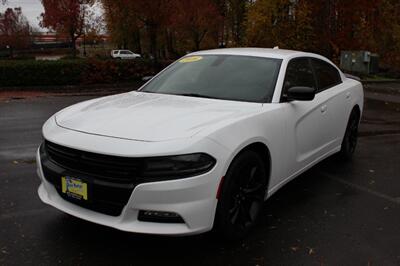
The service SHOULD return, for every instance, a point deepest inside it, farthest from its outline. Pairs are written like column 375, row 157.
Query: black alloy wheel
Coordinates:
column 350, row 139
column 242, row 195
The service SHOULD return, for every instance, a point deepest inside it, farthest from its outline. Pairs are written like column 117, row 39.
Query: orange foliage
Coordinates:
column 65, row 16
column 14, row 29
column 169, row 28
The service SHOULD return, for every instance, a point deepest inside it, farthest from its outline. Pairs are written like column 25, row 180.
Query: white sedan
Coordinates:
column 203, row 144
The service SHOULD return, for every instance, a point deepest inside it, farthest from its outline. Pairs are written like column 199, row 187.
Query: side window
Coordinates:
column 327, row 75
column 298, row 74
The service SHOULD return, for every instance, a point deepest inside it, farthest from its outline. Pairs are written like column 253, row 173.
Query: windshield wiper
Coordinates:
column 196, row 95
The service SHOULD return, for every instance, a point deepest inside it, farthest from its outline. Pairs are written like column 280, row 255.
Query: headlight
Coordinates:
column 175, row 167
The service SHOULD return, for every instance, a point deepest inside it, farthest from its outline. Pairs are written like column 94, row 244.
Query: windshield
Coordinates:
column 229, row 77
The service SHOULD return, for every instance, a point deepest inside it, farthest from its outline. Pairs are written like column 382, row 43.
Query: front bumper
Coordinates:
column 194, row 199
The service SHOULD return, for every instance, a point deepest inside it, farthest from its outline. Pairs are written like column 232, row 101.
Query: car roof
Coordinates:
column 259, row 52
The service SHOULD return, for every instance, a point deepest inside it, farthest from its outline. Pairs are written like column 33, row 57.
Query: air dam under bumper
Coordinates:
column 194, row 199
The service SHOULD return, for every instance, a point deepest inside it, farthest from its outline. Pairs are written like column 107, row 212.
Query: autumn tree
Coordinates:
column 233, row 21
column 300, row 31
column 283, row 23
column 345, row 25
column 168, row 28
column 237, row 20
column 162, row 28
column 387, row 33
column 65, row 16
column 14, row 29
column 196, row 18
column 221, row 35
column 154, row 15
column 122, row 24
column 93, row 27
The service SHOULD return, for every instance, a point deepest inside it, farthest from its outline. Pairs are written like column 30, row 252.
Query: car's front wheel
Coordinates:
column 242, row 195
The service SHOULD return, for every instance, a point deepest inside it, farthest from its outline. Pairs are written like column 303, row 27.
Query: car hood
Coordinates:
column 151, row 117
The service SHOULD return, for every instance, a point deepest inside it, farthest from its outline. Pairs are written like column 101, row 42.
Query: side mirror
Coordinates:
column 147, row 78
column 301, row 94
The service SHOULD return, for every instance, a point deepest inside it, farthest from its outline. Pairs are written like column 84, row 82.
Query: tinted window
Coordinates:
column 327, row 75
column 299, row 74
column 230, row 77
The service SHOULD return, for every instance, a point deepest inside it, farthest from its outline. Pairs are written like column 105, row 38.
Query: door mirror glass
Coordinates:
column 301, row 94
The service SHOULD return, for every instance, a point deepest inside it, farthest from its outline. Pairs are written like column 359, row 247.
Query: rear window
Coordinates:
column 327, row 75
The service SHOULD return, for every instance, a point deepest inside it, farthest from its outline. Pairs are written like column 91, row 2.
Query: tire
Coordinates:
column 350, row 138
column 242, row 196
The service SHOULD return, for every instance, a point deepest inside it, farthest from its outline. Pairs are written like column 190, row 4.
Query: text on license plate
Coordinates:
column 74, row 188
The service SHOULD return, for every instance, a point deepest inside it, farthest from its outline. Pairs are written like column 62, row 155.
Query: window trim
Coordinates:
column 316, row 77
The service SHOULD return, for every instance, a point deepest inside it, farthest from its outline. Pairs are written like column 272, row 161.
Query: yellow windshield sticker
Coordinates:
column 190, row 59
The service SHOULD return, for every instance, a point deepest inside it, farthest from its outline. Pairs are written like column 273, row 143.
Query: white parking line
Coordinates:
column 364, row 189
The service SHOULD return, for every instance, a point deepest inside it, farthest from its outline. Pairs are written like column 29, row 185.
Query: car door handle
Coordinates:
column 324, row 108
column 348, row 95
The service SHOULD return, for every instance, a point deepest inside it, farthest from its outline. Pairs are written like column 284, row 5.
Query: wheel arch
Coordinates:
column 262, row 149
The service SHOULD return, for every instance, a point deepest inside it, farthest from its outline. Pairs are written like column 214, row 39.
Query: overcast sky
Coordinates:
column 31, row 9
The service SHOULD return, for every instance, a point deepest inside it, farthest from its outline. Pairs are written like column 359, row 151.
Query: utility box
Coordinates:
column 363, row 62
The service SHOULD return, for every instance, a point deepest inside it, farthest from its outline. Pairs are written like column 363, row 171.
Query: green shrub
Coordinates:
column 74, row 72
column 34, row 73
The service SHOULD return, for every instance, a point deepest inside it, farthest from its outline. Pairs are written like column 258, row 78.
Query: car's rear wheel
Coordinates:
column 242, row 195
column 350, row 138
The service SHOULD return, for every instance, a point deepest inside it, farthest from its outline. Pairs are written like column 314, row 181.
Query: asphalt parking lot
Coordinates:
column 334, row 214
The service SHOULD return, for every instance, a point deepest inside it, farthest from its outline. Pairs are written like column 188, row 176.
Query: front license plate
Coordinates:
column 74, row 188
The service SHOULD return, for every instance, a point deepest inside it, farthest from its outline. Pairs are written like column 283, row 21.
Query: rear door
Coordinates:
column 336, row 100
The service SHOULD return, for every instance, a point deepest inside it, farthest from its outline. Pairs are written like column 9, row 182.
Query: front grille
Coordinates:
column 109, row 168
column 110, row 179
